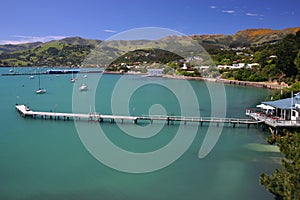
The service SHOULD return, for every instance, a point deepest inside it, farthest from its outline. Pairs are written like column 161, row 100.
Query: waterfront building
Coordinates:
column 279, row 113
column 155, row 72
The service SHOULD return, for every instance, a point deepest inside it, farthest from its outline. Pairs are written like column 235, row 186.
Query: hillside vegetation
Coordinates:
column 278, row 61
column 66, row 52
column 276, row 53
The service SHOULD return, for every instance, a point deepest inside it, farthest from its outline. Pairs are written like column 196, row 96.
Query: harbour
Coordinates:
column 36, row 153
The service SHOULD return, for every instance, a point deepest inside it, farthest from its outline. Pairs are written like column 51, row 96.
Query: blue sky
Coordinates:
column 43, row 20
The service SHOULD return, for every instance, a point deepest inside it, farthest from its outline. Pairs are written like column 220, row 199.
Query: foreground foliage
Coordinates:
column 285, row 183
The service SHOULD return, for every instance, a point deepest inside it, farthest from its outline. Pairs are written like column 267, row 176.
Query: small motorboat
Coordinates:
column 31, row 77
column 41, row 91
column 83, row 87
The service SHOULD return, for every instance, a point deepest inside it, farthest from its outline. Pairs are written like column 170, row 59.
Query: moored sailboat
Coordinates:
column 40, row 90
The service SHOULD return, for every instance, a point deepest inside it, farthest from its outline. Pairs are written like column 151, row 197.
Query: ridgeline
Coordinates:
column 275, row 54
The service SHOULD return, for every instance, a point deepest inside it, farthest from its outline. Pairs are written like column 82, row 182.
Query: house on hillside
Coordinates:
column 154, row 72
column 224, row 66
column 249, row 66
column 238, row 66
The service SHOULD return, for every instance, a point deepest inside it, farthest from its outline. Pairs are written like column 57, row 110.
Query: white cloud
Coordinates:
column 213, row 7
column 252, row 14
column 228, row 11
column 109, row 31
column 21, row 39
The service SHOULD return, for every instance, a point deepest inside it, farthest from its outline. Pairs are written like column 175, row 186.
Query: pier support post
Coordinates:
column 168, row 121
column 135, row 121
column 201, row 123
column 263, row 127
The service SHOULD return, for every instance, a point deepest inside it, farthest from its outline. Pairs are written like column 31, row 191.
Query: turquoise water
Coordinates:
column 44, row 159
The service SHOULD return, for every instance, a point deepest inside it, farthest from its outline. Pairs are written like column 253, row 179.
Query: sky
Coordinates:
column 25, row 21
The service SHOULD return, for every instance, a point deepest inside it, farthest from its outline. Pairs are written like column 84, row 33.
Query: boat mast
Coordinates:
column 39, row 81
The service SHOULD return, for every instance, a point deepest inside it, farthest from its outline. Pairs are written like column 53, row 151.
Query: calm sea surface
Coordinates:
column 45, row 159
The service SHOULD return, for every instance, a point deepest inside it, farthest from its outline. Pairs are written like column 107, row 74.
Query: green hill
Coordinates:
column 248, row 37
column 73, row 51
column 11, row 47
column 66, row 52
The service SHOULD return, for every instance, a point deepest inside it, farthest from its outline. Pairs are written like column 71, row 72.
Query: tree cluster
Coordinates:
column 285, row 183
column 277, row 61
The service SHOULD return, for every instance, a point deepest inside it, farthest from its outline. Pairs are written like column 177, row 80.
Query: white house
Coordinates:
column 249, row 66
column 238, row 66
column 224, row 66
column 202, row 67
column 184, row 67
column 155, row 72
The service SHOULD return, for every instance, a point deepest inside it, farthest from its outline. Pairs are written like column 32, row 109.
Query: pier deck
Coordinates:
column 272, row 121
column 93, row 116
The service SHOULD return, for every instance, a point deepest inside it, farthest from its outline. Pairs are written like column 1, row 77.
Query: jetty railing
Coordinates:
column 270, row 120
column 93, row 116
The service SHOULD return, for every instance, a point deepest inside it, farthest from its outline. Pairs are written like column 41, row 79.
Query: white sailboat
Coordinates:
column 40, row 90
column 73, row 79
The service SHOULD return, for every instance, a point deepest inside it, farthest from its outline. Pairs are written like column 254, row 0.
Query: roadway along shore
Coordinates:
column 268, row 85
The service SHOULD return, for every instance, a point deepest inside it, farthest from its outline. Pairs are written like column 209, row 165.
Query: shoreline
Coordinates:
column 267, row 85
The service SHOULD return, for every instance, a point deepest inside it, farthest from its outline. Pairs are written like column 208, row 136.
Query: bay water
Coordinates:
column 46, row 159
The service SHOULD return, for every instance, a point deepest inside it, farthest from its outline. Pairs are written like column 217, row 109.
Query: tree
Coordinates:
column 297, row 61
column 52, row 51
column 285, row 183
column 286, row 52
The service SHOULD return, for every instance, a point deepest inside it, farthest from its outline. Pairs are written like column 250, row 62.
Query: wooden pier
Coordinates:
column 93, row 116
